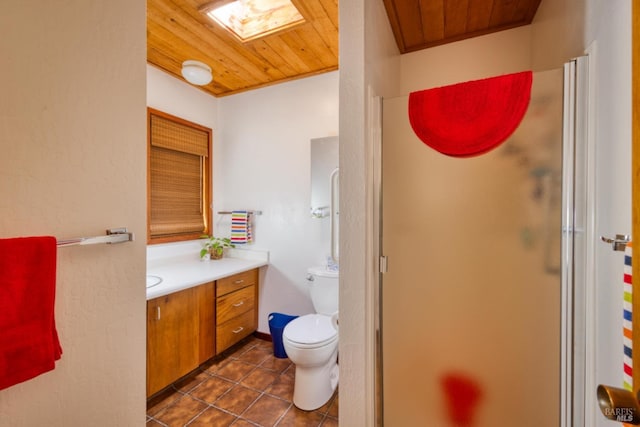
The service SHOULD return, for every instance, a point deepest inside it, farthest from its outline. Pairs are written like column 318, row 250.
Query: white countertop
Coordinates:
column 185, row 270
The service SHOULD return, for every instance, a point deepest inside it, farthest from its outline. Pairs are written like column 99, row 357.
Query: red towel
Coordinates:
column 462, row 395
column 29, row 344
column 468, row 119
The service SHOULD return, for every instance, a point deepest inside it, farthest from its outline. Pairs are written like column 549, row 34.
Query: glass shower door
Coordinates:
column 471, row 300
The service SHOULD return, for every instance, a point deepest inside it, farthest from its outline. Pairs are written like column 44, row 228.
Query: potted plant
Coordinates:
column 215, row 246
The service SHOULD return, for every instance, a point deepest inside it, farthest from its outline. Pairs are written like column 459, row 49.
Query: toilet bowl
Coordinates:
column 311, row 342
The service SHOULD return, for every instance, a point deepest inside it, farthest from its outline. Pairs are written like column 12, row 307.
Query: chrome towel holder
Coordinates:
column 249, row 212
column 619, row 242
column 114, row 235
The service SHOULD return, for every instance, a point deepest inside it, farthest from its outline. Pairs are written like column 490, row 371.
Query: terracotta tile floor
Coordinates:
column 246, row 386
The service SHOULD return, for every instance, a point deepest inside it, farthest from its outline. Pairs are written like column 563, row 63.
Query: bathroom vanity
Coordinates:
column 200, row 309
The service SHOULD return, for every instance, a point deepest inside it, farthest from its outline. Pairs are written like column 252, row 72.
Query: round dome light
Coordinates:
column 196, row 72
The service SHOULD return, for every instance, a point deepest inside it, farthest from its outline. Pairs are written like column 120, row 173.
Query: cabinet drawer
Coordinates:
column 234, row 330
column 234, row 304
column 237, row 281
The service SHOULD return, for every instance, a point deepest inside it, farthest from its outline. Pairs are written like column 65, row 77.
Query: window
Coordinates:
column 178, row 176
column 252, row 19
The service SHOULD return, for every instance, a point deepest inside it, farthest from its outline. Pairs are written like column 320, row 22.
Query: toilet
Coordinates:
column 311, row 342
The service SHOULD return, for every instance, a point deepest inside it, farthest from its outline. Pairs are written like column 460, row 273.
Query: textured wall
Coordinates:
column 72, row 132
column 369, row 67
column 480, row 57
column 262, row 161
column 558, row 32
column 177, row 97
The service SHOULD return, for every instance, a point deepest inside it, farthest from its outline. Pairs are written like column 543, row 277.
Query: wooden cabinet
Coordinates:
column 171, row 325
column 187, row 328
column 236, row 308
column 207, row 321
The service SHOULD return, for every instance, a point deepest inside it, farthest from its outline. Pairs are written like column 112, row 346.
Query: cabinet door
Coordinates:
column 172, row 338
column 207, row 317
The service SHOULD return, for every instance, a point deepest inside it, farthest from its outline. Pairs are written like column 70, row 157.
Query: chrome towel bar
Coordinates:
column 230, row 212
column 114, row 235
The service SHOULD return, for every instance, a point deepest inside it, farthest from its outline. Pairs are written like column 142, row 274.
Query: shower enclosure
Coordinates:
column 477, row 278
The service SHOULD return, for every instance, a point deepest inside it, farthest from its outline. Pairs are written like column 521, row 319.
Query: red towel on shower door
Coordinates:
column 471, row 118
column 29, row 344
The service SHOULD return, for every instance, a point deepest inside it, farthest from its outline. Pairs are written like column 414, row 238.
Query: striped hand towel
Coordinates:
column 627, row 317
column 241, row 228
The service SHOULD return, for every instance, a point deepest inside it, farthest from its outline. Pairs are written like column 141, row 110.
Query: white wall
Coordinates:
column 72, row 133
column 558, row 33
column 369, row 67
column 480, row 57
column 176, row 97
column 262, row 162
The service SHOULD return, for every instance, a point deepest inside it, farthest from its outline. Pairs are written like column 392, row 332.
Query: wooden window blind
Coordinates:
column 179, row 179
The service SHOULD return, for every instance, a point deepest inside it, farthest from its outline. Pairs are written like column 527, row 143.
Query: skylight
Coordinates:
column 252, row 19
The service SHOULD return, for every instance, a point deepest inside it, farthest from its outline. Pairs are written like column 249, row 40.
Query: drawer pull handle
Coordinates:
column 237, row 331
column 158, row 312
column 238, row 304
column 237, row 282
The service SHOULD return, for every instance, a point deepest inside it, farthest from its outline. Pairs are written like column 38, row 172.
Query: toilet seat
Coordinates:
column 310, row 331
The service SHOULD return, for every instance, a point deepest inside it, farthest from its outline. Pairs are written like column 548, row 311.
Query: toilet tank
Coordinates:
column 323, row 289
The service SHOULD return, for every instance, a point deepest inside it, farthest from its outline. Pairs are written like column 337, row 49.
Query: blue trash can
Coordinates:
column 277, row 322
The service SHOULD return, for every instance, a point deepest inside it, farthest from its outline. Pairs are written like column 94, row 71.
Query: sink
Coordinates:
column 153, row 281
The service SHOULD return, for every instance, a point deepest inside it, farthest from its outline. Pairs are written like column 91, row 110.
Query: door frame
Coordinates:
column 635, row 183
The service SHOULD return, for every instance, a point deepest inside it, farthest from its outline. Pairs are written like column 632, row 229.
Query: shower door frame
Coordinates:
column 577, row 363
column 577, row 327
column 635, row 184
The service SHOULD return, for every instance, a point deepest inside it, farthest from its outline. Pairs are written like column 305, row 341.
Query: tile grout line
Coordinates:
column 195, row 417
column 286, row 411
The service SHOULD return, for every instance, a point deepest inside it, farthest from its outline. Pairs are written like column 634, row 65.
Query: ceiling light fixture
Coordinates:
column 196, row 72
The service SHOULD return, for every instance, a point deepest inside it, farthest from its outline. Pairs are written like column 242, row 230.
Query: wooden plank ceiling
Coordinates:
column 420, row 24
column 178, row 31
